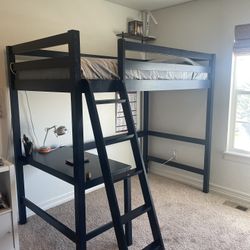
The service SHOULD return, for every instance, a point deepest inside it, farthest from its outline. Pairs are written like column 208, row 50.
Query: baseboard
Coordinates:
column 56, row 201
column 232, row 194
column 164, row 171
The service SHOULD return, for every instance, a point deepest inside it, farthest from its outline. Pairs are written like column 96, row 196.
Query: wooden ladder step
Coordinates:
column 117, row 139
column 109, row 101
column 129, row 174
column 134, row 213
column 125, row 219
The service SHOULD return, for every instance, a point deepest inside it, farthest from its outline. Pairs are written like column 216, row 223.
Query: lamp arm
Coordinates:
column 47, row 131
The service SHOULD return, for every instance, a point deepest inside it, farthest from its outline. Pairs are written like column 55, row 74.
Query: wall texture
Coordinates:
column 21, row 21
column 206, row 26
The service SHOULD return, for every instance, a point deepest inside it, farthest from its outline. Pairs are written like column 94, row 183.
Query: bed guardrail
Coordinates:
column 149, row 48
column 31, row 54
column 203, row 82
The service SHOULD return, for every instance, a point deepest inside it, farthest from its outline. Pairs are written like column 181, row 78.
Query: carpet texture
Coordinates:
column 189, row 219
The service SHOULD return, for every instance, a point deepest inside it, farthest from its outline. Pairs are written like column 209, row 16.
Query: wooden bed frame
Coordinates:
column 70, row 60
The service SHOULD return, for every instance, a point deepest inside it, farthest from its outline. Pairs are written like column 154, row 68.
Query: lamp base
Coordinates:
column 44, row 150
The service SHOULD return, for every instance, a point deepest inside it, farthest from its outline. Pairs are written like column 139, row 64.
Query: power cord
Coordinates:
column 170, row 159
column 31, row 119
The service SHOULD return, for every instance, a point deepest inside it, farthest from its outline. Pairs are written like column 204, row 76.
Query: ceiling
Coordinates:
column 148, row 4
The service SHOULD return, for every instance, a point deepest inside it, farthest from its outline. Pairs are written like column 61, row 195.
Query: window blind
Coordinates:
column 242, row 38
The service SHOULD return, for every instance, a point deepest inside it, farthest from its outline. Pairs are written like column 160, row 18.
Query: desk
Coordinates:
column 54, row 164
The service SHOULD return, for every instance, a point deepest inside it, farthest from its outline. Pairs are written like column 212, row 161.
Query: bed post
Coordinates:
column 78, row 145
column 209, row 118
column 15, row 120
column 145, row 127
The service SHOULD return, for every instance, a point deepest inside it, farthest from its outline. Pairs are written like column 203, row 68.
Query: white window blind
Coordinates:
column 242, row 38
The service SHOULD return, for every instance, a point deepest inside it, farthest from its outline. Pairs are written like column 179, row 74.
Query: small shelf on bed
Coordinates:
column 136, row 37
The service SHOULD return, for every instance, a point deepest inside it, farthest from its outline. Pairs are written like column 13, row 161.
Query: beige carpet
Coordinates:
column 189, row 219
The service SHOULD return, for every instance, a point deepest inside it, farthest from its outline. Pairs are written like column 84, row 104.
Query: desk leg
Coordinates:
column 127, row 208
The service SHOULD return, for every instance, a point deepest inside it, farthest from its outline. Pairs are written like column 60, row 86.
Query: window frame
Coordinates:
column 233, row 109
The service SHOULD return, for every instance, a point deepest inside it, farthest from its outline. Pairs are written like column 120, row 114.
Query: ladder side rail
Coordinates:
column 145, row 128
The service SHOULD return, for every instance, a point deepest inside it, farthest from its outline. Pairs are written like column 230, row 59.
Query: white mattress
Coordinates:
column 106, row 69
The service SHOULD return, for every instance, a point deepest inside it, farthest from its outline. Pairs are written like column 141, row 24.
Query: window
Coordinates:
column 240, row 117
column 239, row 129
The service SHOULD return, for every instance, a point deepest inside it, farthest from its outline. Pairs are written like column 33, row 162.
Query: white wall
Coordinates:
column 206, row 26
column 21, row 21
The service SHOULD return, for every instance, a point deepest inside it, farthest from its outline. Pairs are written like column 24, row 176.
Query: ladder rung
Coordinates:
column 124, row 218
column 134, row 213
column 108, row 101
column 90, row 235
column 154, row 246
column 117, row 139
column 129, row 174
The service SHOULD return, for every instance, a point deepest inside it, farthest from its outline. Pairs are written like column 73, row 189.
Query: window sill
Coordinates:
column 238, row 157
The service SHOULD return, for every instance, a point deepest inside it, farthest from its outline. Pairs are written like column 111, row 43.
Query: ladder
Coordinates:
column 148, row 207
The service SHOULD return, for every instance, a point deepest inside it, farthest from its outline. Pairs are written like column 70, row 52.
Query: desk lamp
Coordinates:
column 58, row 131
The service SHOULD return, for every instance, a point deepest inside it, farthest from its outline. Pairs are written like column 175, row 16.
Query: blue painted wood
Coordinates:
column 77, row 138
column 145, row 128
column 176, row 165
column 51, row 220
column 47, row 42
column 106, row 172
column 15, row 121
column 132, row 46
column 75, row 85
column 209, row 119
column 177, row 137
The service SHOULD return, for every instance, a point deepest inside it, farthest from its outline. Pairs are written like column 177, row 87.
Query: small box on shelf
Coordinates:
column 135, row 32
column 135, row 28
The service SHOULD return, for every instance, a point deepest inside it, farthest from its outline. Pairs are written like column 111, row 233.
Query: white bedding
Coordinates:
column 106, row 69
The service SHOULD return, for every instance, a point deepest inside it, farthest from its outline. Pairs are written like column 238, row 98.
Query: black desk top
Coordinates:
column 54, row 164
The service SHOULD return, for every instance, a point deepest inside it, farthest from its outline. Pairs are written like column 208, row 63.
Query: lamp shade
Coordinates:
column 61, row 130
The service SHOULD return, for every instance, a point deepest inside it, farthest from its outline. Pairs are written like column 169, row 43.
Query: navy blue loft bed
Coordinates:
column 31, row 74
